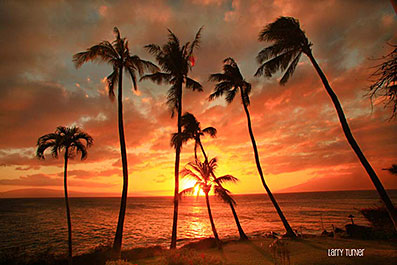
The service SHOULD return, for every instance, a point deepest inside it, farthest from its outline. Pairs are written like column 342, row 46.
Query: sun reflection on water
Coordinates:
column 198, row 227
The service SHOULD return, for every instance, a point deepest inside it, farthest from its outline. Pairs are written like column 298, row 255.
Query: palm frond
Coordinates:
column 194, row 85
column 188, row 191
column 196, row 41
column 140, row 65
column 183, row 138
column 290, row 69
column 101, row 53
column 277, row 63
column 189, row 173
column 80, row 148
column 224, row 194
column 211, row 131
column 220, row 89
column 112, row 81
column 226, row 178
column 154, row 49
column 158, row 77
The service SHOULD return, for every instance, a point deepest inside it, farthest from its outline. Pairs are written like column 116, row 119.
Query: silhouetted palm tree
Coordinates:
column 192, row 130
column 117, row 54
column 202, row 174
column 230, row 82
column 175, row 62
column 69, row 140
column 289, row 44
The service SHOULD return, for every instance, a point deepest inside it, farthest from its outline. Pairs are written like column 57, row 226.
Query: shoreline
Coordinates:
column 308, row 249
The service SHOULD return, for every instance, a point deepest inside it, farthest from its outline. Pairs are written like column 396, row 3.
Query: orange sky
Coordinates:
column 301, row 144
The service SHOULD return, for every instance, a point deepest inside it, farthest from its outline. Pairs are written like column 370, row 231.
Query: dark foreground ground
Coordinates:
column 307, row 250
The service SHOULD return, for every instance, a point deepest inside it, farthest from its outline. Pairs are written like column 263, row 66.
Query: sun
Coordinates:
column 188, row 183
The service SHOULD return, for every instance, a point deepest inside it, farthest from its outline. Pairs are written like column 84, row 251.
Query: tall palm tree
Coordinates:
column 230, row 82
column 71, row 141
column 289, row 42
column 175, row 62
column 202, row 174
column 192, row 130
column 117, row 54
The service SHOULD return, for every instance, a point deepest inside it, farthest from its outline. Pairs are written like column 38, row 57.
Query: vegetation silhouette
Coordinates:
column 202, row 174
column 392, row 169
column 117, row 54
column 70, row 140
column 192, row 130
column 385, row 81
column 289, row 42
column 230, row 82
column 175, row 62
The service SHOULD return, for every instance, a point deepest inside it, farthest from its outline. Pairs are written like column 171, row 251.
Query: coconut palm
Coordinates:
column 202, row 174
column 192, row 130
column 230, row 82
column 289, row 42
column 175, row 62
column 71, row 142
column 117, row 54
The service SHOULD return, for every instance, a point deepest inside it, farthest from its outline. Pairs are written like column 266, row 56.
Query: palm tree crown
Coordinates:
column 117, row 54
column 174, row 61
column 64, row 138
column 229, row 82
column 203, row 175
column 192, row 130
column 289, row 41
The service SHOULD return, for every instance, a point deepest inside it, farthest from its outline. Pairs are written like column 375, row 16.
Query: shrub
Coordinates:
column 378, row 217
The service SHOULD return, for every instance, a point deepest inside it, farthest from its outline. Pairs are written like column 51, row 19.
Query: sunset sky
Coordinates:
column 301, row 144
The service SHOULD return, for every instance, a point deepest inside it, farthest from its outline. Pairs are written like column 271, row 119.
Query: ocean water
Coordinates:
column 35, row 225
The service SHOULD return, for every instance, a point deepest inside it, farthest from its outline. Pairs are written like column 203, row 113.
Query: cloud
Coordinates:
column 295, row 126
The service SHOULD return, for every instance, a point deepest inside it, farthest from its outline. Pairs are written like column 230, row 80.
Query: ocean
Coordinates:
column 37, row 225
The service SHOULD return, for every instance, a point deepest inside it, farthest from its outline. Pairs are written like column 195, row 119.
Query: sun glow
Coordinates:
column 188, row 183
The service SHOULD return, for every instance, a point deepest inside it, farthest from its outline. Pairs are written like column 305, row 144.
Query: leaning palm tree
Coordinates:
column 192, row 130
column 71, row 141
column 117, row 54
column 175, row 62
column 202, row 174
column 289, row 42
column 230, row 82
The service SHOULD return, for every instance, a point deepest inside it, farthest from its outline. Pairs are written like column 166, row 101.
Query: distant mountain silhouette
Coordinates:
column 49, row 193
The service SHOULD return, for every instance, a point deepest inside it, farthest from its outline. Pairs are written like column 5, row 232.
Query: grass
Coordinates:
column 307, row 251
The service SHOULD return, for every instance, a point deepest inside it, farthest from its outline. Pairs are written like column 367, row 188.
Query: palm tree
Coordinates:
column 192, row 130
column 230, row 82
column 289, row 42
column 117, row 54
column 175, row 61
column 69, row 140
column 202, row 173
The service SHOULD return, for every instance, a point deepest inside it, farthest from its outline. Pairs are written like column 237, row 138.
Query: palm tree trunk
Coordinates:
column 349, row 136
column 123, row 205
column 65, row 186
column 177, row 159
column 287, row 227
column 243, row 236
column 212, row 220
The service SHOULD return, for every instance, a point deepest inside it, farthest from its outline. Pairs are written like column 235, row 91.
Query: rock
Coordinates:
column 359, row 231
